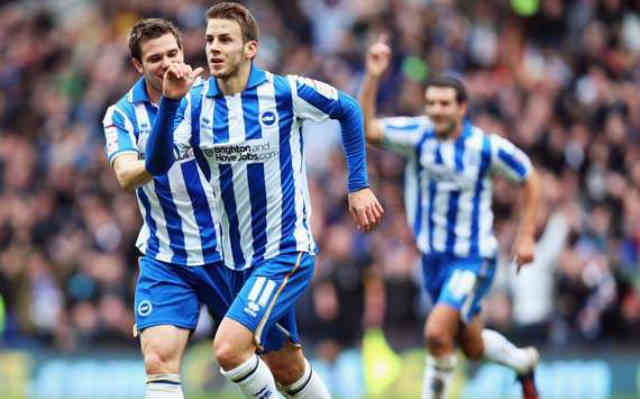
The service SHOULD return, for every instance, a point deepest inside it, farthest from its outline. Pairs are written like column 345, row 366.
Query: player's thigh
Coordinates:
column 266, row 302
column 163, row 347
column 165, row 296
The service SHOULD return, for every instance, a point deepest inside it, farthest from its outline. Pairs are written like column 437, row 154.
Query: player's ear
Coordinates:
column 137, row 65
column 463, row 107
column 251, row 49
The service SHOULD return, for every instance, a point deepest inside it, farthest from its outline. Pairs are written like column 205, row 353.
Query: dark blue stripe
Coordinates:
column 250, row 110
column 417, row 221
column 432, row 196
column 220, row 121
column 152, row 243
column 305, row 215
column 221, row 135
column 201, row 210
column 229, row 201
column 512, row 162
column 475, row 213
column 173, row 219
column 258, row 198
column 284, row 108
column 164, row 382
column 454, row 196
column 310, row 95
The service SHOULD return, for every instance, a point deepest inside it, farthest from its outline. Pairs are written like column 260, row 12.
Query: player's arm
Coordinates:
column 318, row 101
column 526, row 230
column 376, row 64
column 177, row 82
column 130, row 171
column 121, row 150
column 512, row 163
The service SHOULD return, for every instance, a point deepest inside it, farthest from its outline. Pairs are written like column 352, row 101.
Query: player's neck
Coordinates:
column 453, row 134
column 237, row 82
column 153, row 94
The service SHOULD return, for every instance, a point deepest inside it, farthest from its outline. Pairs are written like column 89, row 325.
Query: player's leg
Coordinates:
column 162, row 348
column 233, row 346
column 166, row 309
column 267, row 295
column 290, row 368
column 439, row 331
column 478, row 343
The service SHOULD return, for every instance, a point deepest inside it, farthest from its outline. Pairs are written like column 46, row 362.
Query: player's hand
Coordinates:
column 178, row 79
column 365, row 209
column 523, row 251
column 378, row 56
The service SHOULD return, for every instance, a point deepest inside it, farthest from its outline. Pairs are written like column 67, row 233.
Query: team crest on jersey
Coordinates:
column 144, row 308
column 268, row 118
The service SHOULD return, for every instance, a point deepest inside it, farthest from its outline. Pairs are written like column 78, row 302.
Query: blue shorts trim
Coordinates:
column 461, row 283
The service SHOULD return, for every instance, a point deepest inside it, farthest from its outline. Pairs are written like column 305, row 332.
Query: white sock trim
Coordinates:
column 164, row 378
column 242, row 371
column 299, row 385
column 443, row 363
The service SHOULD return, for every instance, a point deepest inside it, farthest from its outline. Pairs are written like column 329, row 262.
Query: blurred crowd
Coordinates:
column 558, row 78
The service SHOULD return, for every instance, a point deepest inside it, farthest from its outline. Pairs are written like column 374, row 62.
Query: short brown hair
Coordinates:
column 451, row 82
column 150, row 28
column 239, row 13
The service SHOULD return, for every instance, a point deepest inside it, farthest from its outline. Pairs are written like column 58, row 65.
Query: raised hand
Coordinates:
column 178, row 79
column 365, row 209
column 378, row 56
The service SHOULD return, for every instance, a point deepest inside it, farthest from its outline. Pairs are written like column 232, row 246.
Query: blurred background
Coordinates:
column 558, row 78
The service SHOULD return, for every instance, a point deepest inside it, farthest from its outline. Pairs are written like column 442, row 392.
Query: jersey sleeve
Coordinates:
column 119, row 134
column 401, row 134
column 313, row 99
column 508, row 160
column 183, row 127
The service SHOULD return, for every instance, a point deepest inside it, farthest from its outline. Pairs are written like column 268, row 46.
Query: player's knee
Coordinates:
column 228, row 355
column 438, row 341
column 157, row 361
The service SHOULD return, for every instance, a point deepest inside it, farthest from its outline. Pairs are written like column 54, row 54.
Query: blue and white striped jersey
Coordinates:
column 254, row 151
column 451, row 183
column 179, row 221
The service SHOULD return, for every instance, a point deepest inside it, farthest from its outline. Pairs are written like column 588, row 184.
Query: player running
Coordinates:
column 246, row 124
column 453, row 166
